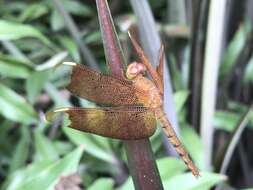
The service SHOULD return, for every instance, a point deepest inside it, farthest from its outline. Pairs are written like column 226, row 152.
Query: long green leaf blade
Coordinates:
column 47, row 178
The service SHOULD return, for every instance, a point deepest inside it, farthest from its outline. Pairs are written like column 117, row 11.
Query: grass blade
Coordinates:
column 210, row 75
column 234, row 141
column 14, row 31
column 71, row 26
column 199, row 26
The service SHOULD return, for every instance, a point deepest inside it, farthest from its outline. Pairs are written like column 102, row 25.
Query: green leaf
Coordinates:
column 234, row 49
column 14, row 106
column 63, row 147
column 20, row 176
column 12, row 70
column 45, row 149
column 71, row 46
column 76, row 7
column 35, row 83
column 4, row 130
column 93, row 37
column 193, row 144
column 56, row 21
column 103, row 142
column 169, row 167
column 21, row 152
column 226, row 120
column 33, row 11
column 102, row 183
column 52, row 62
column 240, row 109
column 16, row 61
column 127, row 185
column 73, row 7
column 187, row 181
column 175, row 74
column 248, row 77
column 12, row 7
column 85, row 139
column 48, row 177
column 180, row 98
column 14, row 31
column 237, row 106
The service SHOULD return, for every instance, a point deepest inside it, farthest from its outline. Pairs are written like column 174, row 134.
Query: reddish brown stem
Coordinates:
column 142, row 165
column 141, row 160
column 112, row 48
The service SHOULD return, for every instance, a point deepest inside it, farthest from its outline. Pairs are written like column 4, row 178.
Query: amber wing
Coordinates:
column 102, row 89
column 118, row 123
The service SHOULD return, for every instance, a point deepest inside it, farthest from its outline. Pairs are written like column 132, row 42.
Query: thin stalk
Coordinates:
column 234, row 141
column 75, row 33
column 198, row 33
column 245, row 163
column 112, row 47
column 12, row 49
column 213, row 52
column 177, row 12
column 151, row 43
column 141, row 161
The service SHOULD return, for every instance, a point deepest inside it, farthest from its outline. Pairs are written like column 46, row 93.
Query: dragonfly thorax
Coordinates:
column 151, row 97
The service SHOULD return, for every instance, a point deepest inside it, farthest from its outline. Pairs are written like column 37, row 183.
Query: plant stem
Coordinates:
column 235, row 139
column 213, row 52
column 142, row 165
column 176, row 12
column 141, row 161
column 199, row 25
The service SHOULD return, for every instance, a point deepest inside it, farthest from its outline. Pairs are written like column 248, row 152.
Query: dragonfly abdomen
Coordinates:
column 170, row 133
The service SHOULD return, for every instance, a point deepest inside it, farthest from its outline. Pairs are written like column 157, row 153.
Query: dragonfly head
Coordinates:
column 135, row 69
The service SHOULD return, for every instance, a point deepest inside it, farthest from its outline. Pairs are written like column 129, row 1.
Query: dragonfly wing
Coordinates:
column 101, row 89
column 120, row 123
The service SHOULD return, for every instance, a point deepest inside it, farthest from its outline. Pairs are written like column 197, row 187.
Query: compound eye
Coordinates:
column 134, row 69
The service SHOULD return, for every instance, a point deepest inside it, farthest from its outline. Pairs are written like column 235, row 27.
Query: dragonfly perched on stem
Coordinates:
column 133, row 100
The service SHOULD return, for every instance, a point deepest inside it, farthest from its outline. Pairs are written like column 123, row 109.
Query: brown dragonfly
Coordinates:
column 137, row 101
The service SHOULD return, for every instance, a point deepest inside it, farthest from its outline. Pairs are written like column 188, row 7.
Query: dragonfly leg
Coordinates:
column 160, row 66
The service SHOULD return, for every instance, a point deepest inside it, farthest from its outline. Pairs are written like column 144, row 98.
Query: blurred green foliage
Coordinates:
column 35, row 154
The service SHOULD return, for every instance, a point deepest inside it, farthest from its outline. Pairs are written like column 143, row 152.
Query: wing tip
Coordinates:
column 50, row 115
column 69, row 63
column 61, row 110
column 129, row 34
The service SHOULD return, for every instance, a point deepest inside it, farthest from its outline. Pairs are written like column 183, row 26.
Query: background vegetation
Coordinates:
column 209, row 57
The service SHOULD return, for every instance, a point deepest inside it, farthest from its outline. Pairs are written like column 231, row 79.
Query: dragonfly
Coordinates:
column 131, row 105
